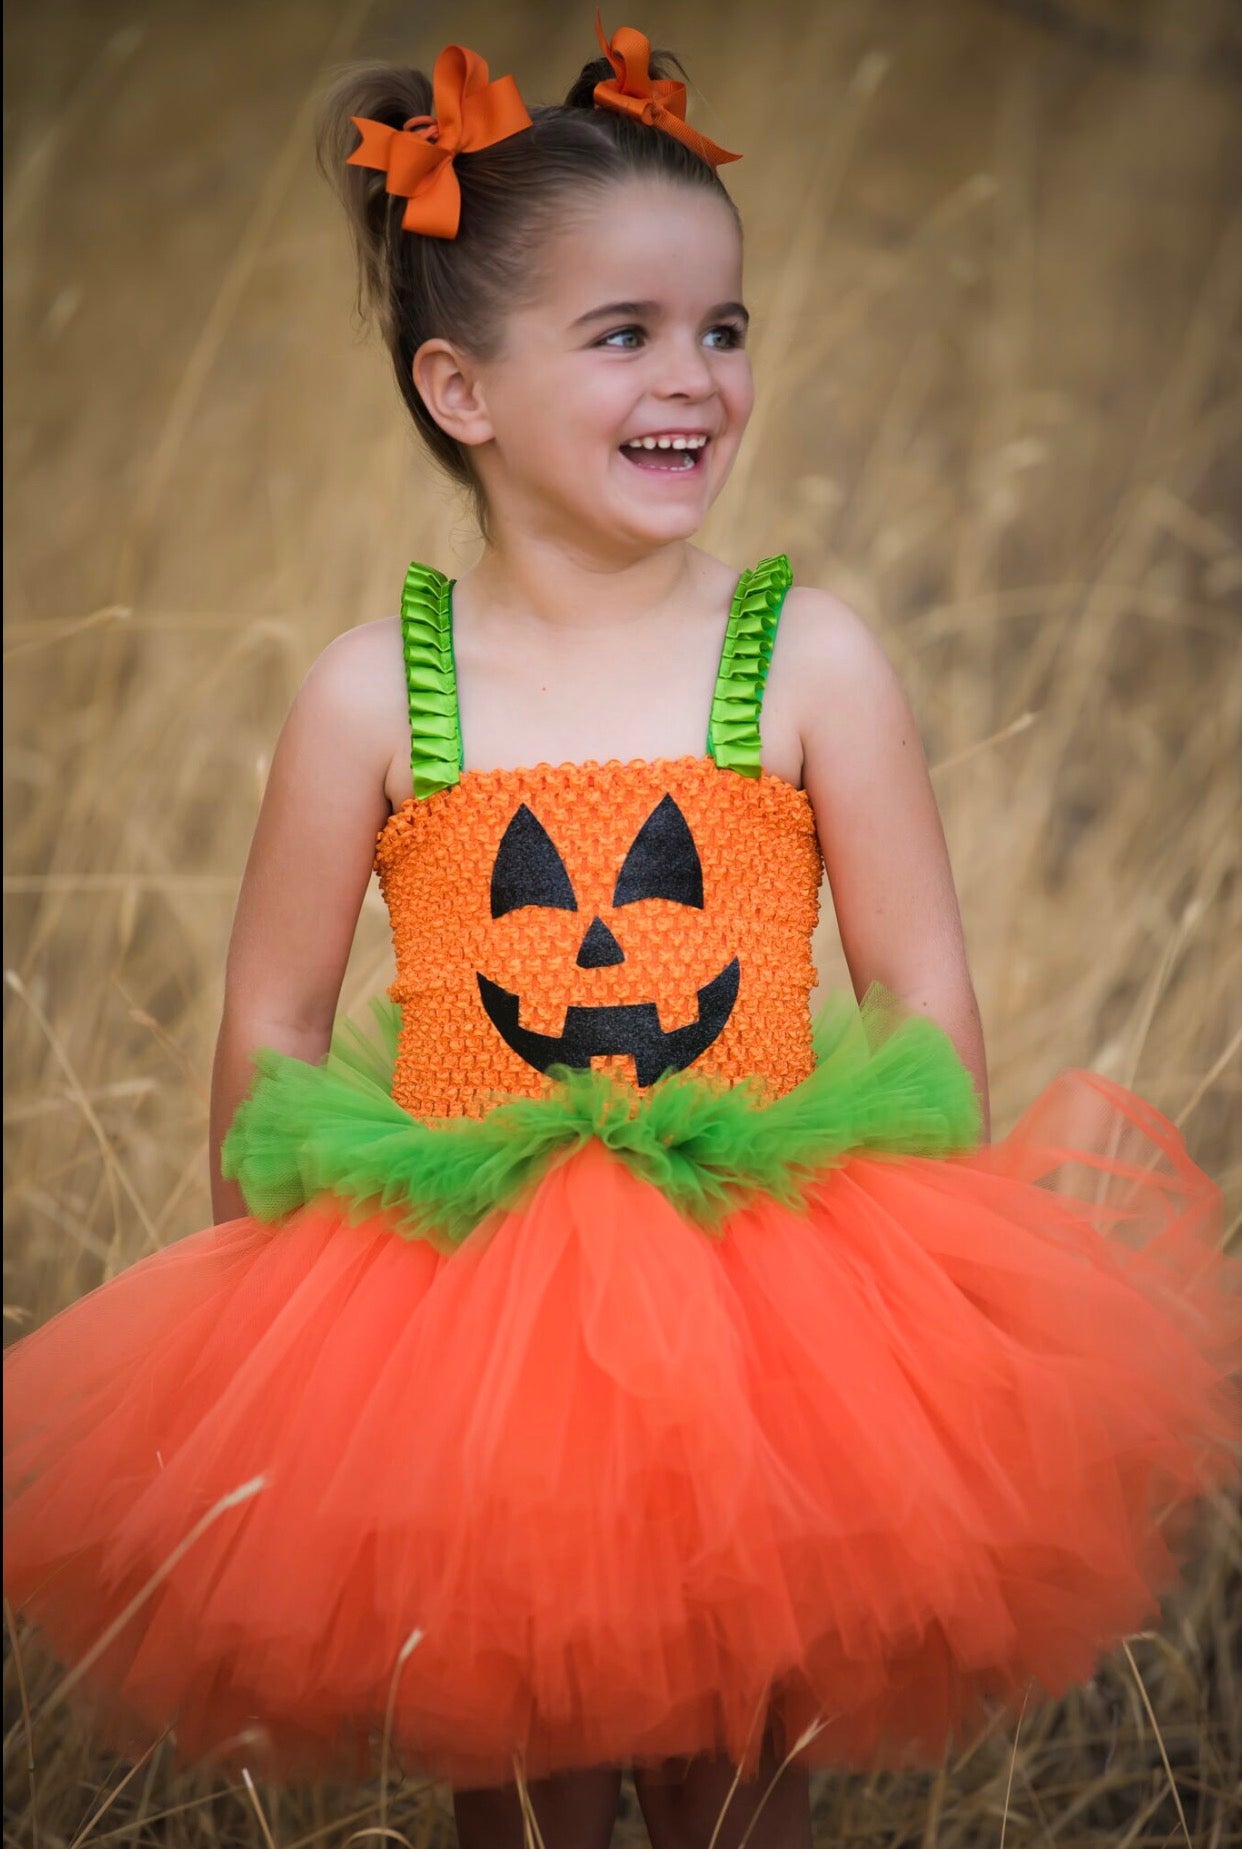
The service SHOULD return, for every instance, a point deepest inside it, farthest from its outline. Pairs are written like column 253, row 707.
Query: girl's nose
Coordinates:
column 686, row 373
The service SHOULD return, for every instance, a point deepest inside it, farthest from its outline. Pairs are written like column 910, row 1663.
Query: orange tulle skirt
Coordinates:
column 600, row 1486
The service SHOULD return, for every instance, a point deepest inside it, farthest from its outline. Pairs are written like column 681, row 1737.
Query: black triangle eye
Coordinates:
column 528, row 870
column 663, row 862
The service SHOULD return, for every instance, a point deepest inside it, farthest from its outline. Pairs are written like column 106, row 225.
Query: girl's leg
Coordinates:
column 682, row 1800
column 574, row 1810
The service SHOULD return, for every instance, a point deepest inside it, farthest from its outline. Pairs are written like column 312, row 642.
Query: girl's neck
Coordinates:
column 524, row 578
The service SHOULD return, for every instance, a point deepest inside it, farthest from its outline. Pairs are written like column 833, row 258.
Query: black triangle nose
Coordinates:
column 599, row 947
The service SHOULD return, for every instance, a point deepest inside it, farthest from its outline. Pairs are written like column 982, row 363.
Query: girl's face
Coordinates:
column 618, row 403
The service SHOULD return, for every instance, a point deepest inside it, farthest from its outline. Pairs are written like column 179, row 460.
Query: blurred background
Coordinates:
column 994, row 256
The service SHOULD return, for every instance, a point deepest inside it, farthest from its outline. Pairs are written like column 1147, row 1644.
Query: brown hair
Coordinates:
column 512, row 195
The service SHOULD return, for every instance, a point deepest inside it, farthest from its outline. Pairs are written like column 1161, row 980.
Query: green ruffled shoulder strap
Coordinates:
column 733, row 729
column 430, row 679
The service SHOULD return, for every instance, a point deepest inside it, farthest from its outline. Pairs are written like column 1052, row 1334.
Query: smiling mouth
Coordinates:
column 678, row 457
column 624, row 1027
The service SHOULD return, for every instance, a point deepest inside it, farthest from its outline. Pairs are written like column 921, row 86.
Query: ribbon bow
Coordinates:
column 470, row 113
column 660, row 103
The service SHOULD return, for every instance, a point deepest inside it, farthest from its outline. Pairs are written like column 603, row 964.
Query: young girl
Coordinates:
column 624, row 1374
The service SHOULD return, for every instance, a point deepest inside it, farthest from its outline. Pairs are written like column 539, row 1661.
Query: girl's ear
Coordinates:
column 450, row 388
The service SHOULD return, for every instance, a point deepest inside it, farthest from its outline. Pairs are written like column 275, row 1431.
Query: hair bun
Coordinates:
column 582, row 91
column 388, row 93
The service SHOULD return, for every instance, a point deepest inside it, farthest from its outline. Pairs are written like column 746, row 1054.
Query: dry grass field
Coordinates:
column 995, row 262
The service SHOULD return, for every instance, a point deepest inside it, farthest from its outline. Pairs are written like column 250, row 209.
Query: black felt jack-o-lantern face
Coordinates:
column 662, row 862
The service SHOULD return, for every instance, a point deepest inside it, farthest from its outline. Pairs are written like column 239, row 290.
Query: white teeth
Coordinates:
column 666, row 443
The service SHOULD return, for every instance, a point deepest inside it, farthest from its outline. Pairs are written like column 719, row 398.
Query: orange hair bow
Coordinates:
column 660, row 103
column 470, row 113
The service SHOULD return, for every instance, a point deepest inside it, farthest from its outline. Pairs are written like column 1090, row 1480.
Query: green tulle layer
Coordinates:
column 885, row 1082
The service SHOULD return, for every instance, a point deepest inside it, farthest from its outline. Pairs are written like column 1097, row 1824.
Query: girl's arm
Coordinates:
column 306, row 874
column 879, row 827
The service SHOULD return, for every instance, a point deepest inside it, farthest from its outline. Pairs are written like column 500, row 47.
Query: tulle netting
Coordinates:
column 884, row 1460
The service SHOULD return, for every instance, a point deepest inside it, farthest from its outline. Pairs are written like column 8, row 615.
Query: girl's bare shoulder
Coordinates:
column 355, row 691
column 823, row 635
column 362, row 666
column 839, row 686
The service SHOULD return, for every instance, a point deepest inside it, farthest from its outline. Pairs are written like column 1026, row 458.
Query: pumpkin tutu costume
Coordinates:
column 616, row 1354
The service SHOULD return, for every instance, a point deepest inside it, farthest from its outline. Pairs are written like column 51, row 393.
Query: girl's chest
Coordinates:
column 622, row 696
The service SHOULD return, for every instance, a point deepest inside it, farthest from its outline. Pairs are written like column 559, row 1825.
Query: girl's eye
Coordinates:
column 722, row 337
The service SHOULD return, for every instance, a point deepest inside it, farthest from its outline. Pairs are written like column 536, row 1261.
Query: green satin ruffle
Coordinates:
column 430, row 679
column 885, row 1082
column 733, row 737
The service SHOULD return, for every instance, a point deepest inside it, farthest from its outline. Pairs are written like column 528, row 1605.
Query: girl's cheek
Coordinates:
column 742, row 399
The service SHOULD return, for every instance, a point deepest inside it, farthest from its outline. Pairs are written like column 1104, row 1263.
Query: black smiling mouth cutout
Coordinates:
column 662, row 863
column 620, row 1027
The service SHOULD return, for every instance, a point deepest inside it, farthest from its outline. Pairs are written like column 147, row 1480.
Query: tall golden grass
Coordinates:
column 996, row 275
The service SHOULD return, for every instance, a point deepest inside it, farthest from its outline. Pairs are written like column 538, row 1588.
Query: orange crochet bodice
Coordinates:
column 632, row 917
